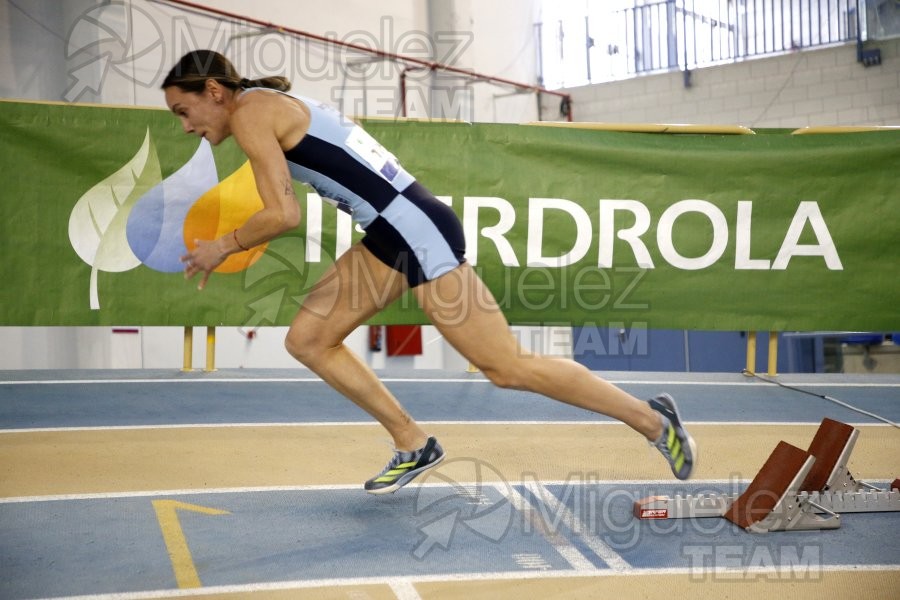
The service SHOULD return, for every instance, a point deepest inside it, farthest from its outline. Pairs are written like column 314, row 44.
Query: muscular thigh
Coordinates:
column 351, row 291
column 463, row 309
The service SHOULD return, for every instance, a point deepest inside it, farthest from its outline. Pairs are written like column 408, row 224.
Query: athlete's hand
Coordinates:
column 204, row 258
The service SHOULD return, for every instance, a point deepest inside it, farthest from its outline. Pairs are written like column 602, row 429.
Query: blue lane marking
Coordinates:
column 81, row 547
column 100, row 546
column 72, row 547
column 68, row 547
column 213, row 402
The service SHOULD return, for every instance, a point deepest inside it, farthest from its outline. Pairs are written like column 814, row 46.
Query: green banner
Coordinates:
column 566, row 226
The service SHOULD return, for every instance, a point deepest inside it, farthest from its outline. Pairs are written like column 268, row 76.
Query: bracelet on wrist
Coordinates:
column 239, row 245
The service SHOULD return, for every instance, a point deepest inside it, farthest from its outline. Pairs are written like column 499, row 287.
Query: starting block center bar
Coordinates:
column 790, row 491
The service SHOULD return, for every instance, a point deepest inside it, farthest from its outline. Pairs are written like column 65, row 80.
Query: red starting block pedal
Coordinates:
column 791, row 491
column 652, row 507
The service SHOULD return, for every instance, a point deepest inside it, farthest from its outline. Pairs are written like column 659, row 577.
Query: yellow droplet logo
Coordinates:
column 223, row 209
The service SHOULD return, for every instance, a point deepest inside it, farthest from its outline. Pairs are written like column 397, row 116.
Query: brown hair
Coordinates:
column 196, row 67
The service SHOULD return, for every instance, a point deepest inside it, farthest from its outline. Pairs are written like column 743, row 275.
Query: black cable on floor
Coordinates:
column 823, row 396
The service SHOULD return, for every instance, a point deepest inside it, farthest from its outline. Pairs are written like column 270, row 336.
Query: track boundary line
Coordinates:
column 403, row 581
column 421, row 380
column 347, row 487
column 572, row 555
column 88, row 428
column 597, row 546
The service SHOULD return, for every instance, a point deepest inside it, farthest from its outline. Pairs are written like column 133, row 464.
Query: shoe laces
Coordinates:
column 398, row 458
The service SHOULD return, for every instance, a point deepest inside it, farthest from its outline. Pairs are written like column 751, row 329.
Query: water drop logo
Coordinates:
column 156, row 224
column 136, row 217
column 223, row 209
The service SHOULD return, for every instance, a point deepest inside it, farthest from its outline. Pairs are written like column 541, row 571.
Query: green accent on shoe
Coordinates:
column 404, row 467
column 675, row 443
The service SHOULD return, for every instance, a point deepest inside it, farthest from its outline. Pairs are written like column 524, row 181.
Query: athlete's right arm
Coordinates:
column 254, row 129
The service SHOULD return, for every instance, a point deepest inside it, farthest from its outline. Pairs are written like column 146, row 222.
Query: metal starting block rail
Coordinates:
column 794, row 490
column 700, row 506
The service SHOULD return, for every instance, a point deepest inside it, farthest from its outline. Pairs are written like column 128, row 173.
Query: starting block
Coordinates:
column 794, row 490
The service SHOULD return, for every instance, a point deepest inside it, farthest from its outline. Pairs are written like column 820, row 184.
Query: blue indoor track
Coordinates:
column 535, row 497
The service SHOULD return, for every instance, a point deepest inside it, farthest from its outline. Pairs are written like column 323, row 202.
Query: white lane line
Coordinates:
column 775, row 572
column 187, row 426
column 404, row 589
column 373, row 424
column 425, row 380
column 178, row 492
column 358, row 487
column 531, row 561
column 579, row 528
column 531, row 517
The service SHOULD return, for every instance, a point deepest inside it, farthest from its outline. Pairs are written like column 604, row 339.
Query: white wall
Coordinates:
column 164, row 348
column 45, row 55
column 51, row 50
column 818, row 87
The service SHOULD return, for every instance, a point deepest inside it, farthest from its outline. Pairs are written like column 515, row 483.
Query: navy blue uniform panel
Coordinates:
column 428, row 218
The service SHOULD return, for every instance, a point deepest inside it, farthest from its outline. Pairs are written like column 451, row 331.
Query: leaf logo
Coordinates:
column 135, row 216
column 97, row 224
column 156, row 224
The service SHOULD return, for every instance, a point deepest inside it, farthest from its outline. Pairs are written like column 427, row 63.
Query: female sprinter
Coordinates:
column 412, row 241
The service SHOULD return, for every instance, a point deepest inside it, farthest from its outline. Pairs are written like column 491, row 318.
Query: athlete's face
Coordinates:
column 204, row 114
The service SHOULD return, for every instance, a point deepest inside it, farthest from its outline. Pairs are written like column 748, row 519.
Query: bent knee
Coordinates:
column 509, row 376
column 306, row 344
column 293, row 343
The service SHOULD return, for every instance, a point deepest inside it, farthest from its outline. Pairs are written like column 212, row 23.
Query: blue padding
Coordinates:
column 864, row 339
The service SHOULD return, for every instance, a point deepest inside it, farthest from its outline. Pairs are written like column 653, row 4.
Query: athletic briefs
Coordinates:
column 406, row 227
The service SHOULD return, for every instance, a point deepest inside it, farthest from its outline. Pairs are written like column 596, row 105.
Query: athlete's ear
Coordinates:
column 215, row 89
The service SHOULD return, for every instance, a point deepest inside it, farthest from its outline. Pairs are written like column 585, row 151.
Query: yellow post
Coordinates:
column 751, row 351
column 773, row 354
column 210, row 349
column 188, row 348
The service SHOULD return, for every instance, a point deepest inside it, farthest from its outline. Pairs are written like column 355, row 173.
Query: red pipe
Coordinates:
column 389, row 55
column 403, row 87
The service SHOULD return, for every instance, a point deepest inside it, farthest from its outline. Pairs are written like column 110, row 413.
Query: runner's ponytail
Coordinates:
column 191, row 73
